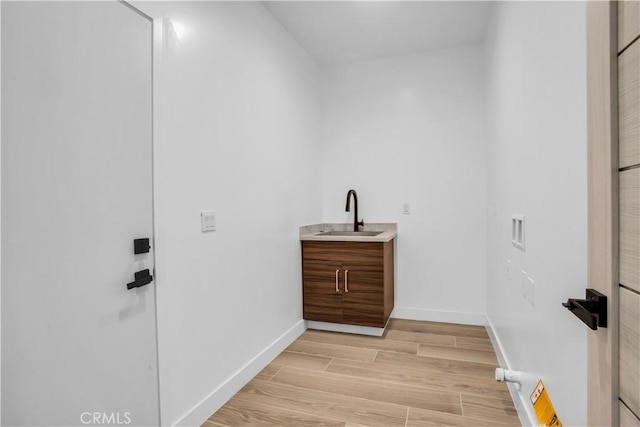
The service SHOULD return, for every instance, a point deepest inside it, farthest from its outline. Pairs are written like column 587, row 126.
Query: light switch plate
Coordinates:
column 531, row 291
column 406, row 209
column 208, row 220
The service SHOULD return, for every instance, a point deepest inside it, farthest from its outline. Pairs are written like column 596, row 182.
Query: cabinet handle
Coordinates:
column 337, row 273
column 346, row 280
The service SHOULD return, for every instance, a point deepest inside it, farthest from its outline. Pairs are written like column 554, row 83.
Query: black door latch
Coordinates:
column 592, row 310
column 142, row 277
column 141, row 246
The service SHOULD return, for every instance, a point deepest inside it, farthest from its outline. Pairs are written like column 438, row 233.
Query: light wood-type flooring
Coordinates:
column 418, row 374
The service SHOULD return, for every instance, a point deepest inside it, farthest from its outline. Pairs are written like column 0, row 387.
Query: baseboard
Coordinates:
column 349, row 329
column 231, row 386
column 459, row 317
column 520, row 401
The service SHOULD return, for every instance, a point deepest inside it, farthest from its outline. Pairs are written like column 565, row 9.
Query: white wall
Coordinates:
column 237, row 116
column 411, row 129
column 536, row 123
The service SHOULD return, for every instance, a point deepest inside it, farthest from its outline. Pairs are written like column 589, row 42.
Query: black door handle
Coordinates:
column 142, row 278
column 592, row 310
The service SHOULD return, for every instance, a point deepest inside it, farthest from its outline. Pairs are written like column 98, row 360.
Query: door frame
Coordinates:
column 602, row 217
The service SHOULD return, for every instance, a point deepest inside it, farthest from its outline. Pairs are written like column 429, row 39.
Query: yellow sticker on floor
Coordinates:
column 544, row 408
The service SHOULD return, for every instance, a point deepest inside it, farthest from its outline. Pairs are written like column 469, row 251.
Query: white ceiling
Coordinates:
column 339, row 32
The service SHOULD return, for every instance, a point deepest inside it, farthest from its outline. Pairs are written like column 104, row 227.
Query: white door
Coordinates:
column 78, row 347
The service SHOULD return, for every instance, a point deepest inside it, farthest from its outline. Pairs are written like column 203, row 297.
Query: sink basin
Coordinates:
column 349, row 233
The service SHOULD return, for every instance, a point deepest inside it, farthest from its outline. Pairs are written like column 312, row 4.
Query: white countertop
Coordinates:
column 310, row 232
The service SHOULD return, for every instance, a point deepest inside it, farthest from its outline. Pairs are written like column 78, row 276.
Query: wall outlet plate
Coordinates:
column 208, row 221
column 406, row 208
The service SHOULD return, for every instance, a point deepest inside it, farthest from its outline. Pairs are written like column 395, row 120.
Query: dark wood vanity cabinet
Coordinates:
column 348, row 282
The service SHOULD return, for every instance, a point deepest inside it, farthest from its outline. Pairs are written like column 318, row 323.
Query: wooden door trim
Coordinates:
column 602, row 218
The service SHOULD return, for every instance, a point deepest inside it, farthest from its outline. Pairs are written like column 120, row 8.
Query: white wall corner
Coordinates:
column 443, row 316
column 203, row 410
column 520, row 399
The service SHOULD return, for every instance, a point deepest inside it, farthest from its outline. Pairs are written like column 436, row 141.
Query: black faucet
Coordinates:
column 355, row 214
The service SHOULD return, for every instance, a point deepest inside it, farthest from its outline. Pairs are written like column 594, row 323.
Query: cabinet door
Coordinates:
column 363, row 269
column 363, row 304
column 322, row 302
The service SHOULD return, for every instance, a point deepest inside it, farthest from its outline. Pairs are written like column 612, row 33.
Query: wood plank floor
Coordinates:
column 417, row 374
